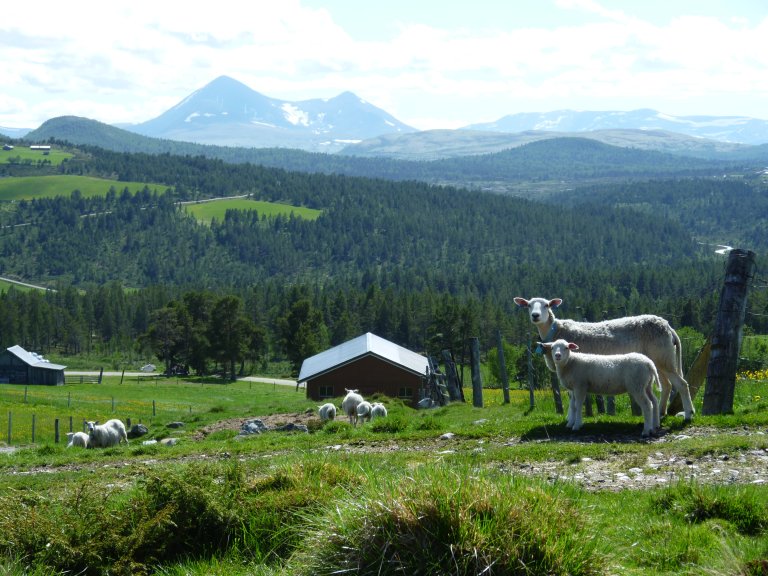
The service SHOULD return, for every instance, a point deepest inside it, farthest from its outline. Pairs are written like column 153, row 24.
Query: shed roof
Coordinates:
column 365, row 345
column 33, row 359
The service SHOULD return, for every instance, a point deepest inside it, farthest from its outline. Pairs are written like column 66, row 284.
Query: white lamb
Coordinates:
column 79, row 439
column 611, row 374
column 106, row 435
column 327, row 411
column 349, row 405
column 646, row 334
column 364, row 411
column 378, row 410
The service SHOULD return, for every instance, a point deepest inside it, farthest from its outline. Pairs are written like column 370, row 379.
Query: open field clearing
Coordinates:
column 217, row 208
column 29, row 187
column 453, row 490
column 25, row 155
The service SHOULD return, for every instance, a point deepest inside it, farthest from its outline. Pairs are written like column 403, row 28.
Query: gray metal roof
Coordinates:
column 367, row 344
column 33, row 359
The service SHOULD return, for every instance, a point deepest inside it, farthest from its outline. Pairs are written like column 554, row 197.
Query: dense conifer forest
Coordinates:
column 423, row 265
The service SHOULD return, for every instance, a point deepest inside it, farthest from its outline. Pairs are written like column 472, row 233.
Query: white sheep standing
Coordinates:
column 106, row 435
column 378, row 410
column 349, row 405
column 364, row 411
column 647, row 334
column 609, row 374
column 79, row 439
column 327, row 411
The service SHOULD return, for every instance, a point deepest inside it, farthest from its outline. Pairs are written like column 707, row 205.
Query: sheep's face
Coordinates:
column 538, row 308
column 560, row 349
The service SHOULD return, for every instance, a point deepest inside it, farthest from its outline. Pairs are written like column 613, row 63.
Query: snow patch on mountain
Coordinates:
column 295, row 115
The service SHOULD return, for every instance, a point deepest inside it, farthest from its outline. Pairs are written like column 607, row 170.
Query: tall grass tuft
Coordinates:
column 445, row 522
column 698, row 503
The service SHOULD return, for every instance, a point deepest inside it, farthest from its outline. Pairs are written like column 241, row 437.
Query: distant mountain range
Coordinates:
column 226, row 112
column 736, row 129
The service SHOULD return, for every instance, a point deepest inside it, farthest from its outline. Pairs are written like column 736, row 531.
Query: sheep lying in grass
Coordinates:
column 106, row 435
column 378, row 410
column 327, row 411
column 79, row 439
column 364, row 411
column 612, row 374
column 646, row 334
column 349, row 405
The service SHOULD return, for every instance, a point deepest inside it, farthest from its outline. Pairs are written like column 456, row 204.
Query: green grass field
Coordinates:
column 26, row 188
column 23, row 154
column 456, row 490
column 207, row 211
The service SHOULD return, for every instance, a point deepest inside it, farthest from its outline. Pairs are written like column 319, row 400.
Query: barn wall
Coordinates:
column 369, row 375
column 15, row 371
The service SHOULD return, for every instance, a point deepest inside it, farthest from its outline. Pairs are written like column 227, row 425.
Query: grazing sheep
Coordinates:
column 106, row 435
column 349, row 405
column 378, row 410
column 327, row 411
column 608, row 374
column 646, row 334
column 364, row 411
column 79, row 439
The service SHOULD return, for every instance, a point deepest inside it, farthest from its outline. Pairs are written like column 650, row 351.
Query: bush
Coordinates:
column 439, row 523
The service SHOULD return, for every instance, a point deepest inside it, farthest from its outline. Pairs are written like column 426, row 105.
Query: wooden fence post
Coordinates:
column 34, row 420
column 726, row 341
column 56, row 436
column 10, row 426
column 555, row 384
column 502, row 366
column 477, row 383
column 451, row 377
column 529, row 355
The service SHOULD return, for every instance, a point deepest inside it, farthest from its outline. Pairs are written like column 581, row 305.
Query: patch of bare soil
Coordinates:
column 271, row 421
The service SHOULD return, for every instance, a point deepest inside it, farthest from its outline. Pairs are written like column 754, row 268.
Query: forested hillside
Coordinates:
column 720, row 210
column 559, row 159
column 425, row 266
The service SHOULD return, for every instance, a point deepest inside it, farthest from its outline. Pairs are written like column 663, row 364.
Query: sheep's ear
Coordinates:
column 521, row 302
column 545, row 345
column 572, row 346
column 555, row 302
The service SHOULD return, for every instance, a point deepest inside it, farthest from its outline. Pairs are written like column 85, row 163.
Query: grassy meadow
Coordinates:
column 454, row 490
column 208, row 210
column 29, row 187
column 23, row 154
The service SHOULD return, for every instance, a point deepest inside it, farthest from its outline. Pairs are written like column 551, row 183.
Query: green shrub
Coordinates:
column 440, row 523
column 391, row 424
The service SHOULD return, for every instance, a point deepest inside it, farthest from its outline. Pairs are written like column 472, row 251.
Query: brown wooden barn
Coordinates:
column 367, row 363
column 17, row 366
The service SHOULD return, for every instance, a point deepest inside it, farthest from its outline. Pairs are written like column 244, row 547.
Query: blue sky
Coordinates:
column 431, row 64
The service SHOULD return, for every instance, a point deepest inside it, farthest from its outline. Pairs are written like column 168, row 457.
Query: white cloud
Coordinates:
column 129, row 62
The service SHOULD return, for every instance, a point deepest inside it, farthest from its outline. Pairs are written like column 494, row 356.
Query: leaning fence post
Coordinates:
column 726, row 341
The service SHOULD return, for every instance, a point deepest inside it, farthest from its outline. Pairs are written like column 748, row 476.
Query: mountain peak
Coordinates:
column 226, row 112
